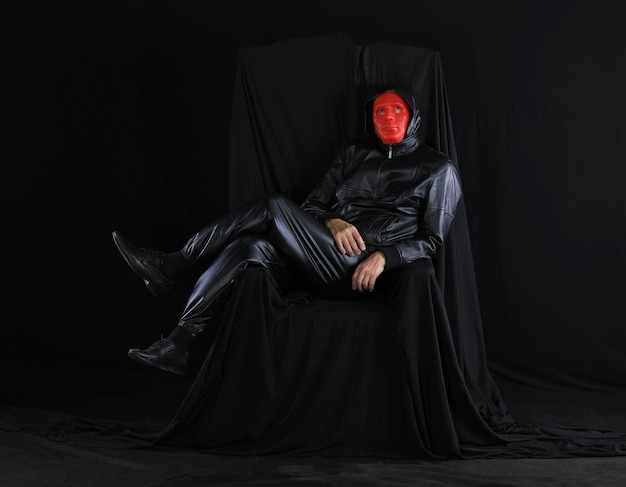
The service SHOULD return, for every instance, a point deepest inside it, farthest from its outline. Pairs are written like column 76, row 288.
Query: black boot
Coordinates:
column 163, row 355
column 146, row 263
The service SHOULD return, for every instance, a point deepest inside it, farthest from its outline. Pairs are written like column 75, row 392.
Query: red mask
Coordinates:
column 391, row 117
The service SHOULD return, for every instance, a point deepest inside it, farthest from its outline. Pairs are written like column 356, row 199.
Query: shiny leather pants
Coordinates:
column 273, row 232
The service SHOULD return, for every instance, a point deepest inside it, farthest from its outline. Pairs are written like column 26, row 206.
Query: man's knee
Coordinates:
column 254, row 249
column 278, row 201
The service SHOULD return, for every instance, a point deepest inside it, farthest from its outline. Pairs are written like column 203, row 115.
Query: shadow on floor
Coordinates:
column 137, row 393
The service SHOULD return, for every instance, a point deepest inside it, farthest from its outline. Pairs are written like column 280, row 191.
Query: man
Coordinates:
column 383, row 203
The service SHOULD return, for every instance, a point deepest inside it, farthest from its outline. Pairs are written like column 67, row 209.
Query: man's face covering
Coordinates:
column 391, row 117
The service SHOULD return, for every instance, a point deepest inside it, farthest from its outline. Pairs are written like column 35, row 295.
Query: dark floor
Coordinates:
column 33, row 461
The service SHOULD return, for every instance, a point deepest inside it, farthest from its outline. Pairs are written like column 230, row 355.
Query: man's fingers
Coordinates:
column 362, row 285
column 340, row 246
column 358, row 244
column 347, row 245
column 367, row 272
column 356, row 284
column 357, row 240
column 353, row 247
column 362, row 281
column 347, row 238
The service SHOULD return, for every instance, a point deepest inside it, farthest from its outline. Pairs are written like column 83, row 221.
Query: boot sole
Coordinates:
column 157, row 290
column 167, row 368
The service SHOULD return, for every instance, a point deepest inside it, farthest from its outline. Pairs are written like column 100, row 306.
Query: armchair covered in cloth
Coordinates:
column 291, row 373
column 294, row 373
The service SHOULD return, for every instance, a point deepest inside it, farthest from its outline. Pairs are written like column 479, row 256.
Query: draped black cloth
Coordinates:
column 296, row 101
column 406, row 375
column 291, row 373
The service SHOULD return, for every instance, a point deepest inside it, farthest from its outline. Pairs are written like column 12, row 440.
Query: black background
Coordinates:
column 116, row 116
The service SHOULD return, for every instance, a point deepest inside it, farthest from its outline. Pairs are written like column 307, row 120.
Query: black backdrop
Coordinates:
column 116, row 116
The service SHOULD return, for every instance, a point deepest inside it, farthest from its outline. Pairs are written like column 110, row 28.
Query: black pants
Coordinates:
column 271, row 231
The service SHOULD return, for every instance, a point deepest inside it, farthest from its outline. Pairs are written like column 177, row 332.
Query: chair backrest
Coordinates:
column 296, row 101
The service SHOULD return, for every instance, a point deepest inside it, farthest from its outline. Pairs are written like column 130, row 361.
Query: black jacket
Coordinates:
column 402, row 198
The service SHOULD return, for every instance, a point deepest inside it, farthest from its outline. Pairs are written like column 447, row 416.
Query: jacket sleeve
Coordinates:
column 441, row 204
column 320, row 200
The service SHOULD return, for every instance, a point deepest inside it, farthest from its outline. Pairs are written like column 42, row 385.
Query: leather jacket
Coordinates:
column 402, row 198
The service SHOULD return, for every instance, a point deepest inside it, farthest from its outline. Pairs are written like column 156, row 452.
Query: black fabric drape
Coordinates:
column 287, row 163
column 298, row 375
column 277, row 146
column 289, row 373
column 294, row 104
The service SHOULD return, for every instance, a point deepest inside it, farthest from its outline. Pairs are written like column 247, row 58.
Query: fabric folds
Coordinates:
column 400, row 374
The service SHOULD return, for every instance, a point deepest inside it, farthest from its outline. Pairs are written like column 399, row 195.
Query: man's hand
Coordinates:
column 366, row 273
column 347, row 238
